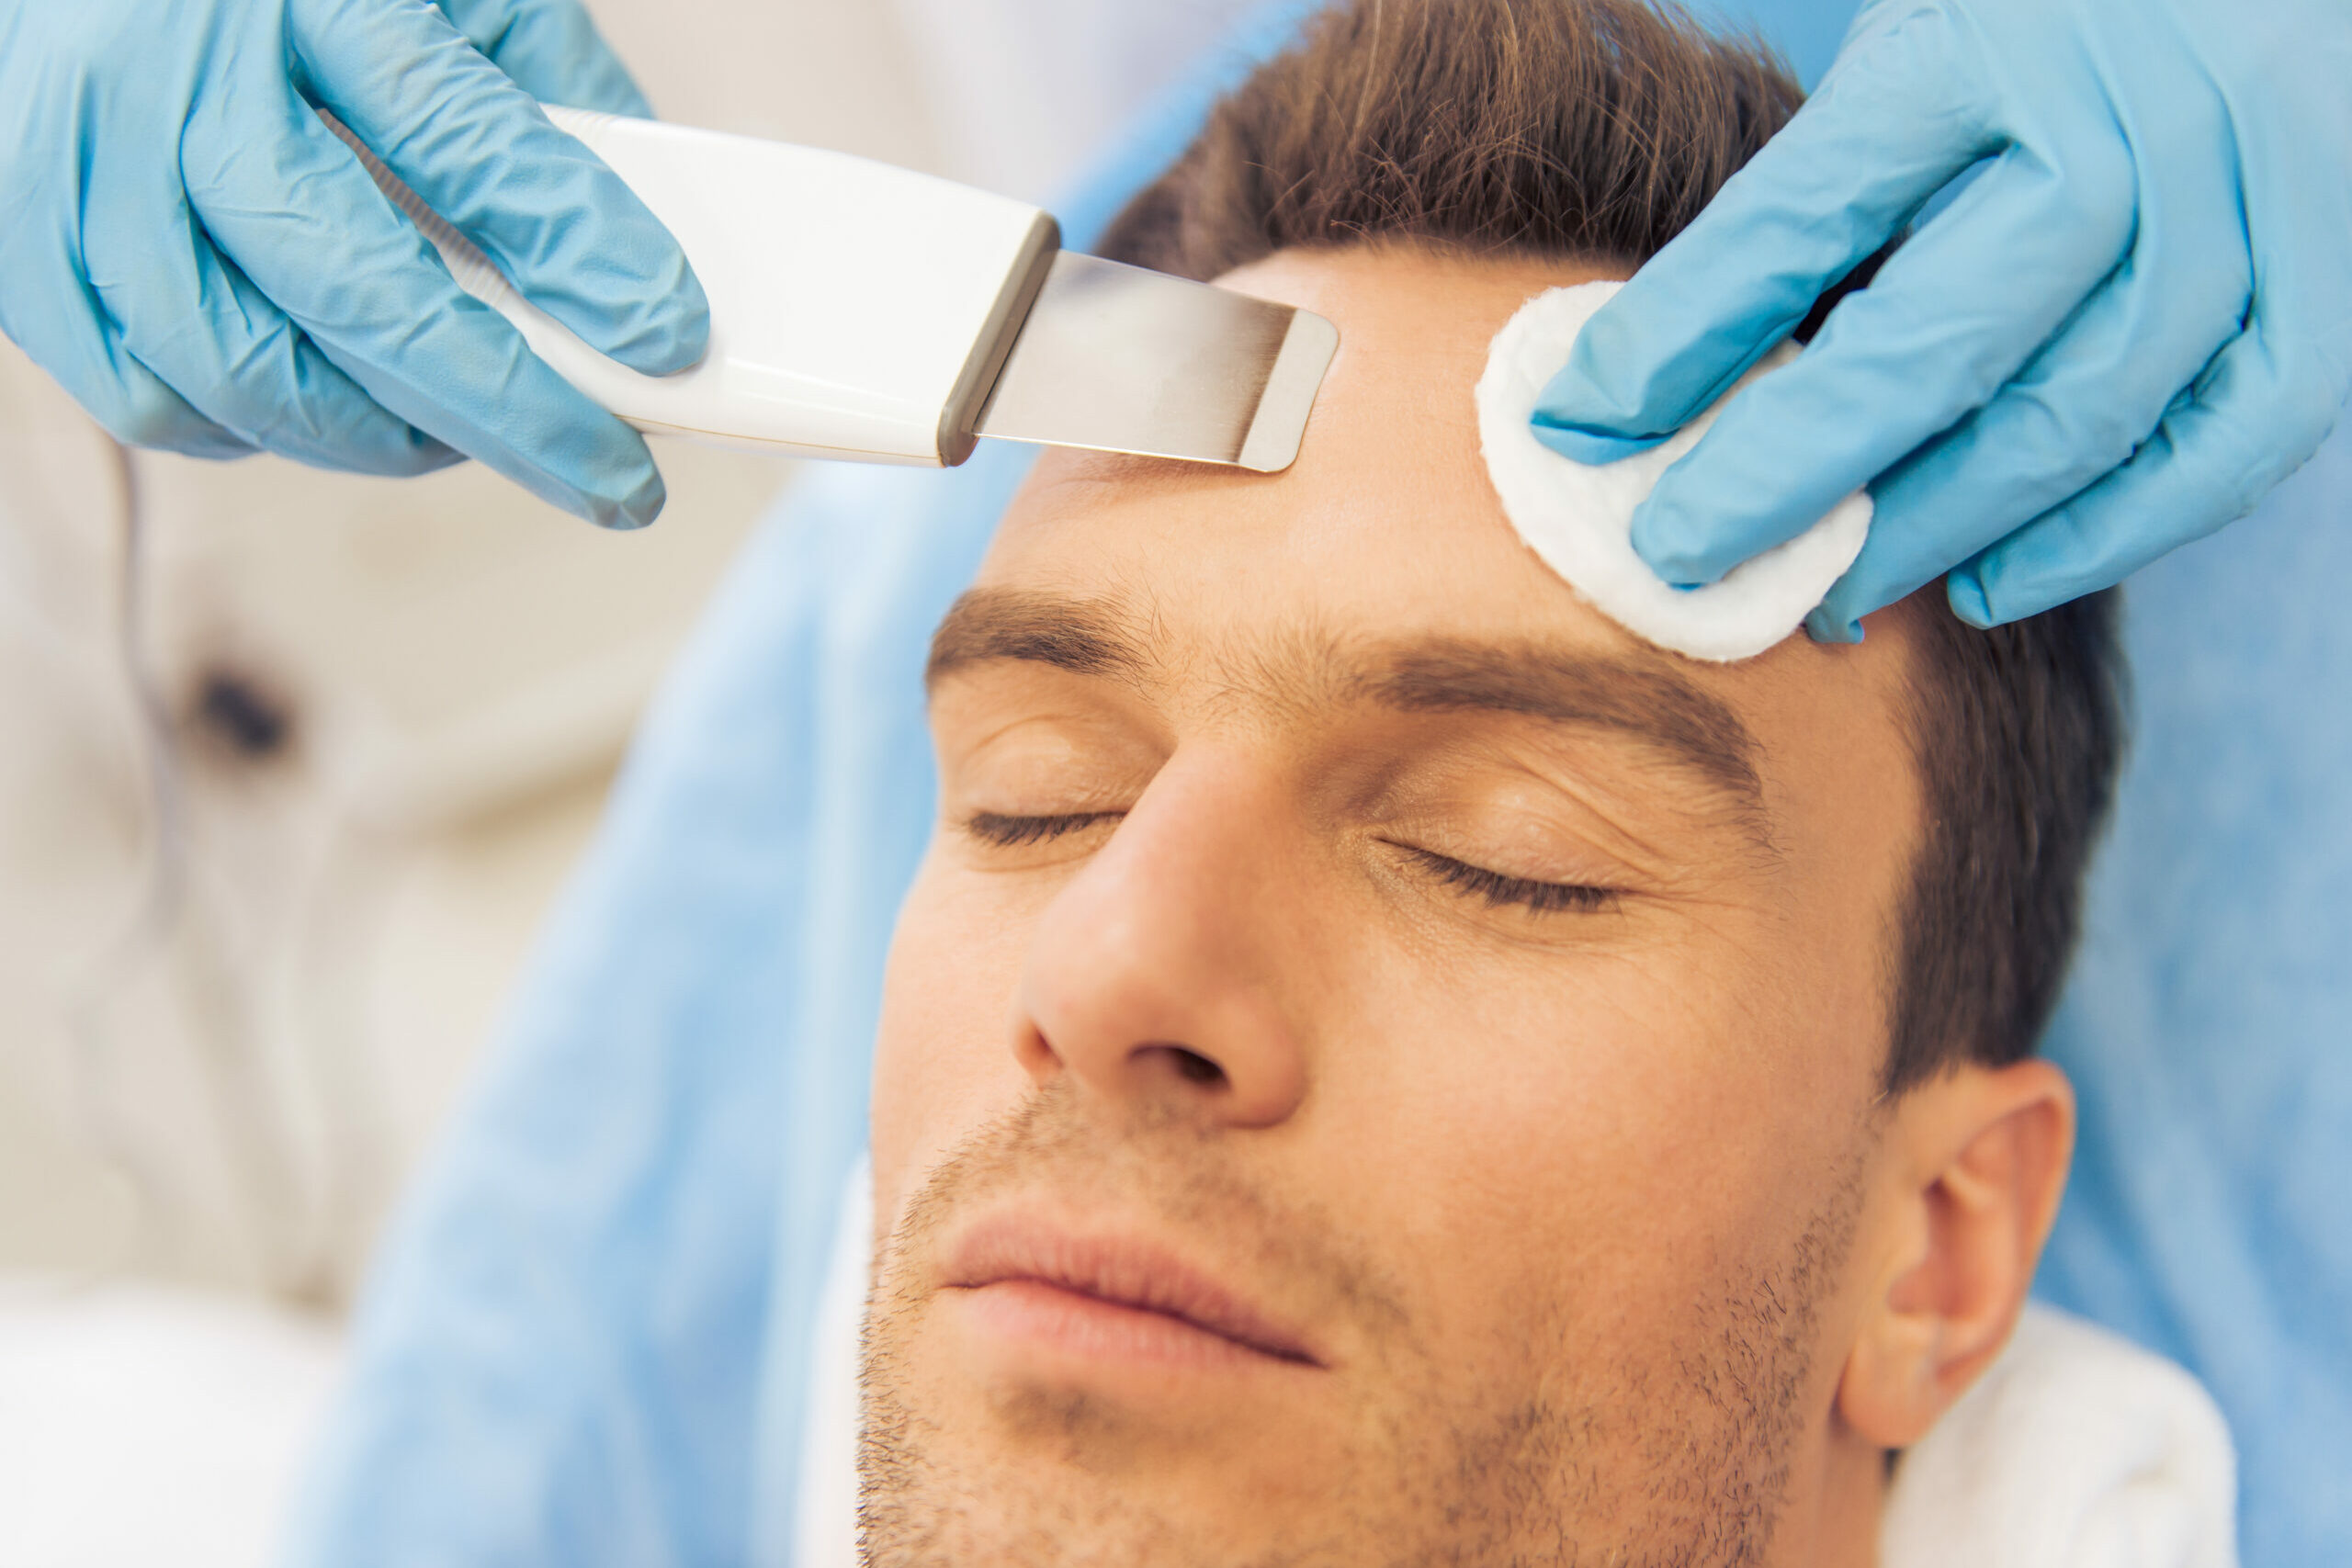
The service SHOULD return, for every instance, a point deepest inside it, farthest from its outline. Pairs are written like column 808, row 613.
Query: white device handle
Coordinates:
column 858, row 310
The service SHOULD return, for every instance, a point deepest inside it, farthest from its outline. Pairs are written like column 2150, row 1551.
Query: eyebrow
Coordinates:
column 1642, row 695
column 1082, row 636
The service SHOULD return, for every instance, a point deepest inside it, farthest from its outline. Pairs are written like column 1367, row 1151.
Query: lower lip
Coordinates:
column 1049, row 1318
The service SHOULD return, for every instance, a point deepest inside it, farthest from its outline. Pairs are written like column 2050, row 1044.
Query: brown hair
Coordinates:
column 1598, row 129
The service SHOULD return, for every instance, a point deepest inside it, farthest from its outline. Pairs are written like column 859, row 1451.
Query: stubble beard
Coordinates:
column 1581, row 1458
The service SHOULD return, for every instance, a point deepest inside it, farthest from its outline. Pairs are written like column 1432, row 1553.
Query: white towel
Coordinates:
column 2075, row 1450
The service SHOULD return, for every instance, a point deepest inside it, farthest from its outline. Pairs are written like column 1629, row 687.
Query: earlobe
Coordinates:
column 1977, row 1160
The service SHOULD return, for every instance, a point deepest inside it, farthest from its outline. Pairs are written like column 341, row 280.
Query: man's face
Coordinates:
column 1379, row 1064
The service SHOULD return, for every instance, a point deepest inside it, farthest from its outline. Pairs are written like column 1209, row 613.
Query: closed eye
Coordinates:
column 1498, row 890
column 1009, row 831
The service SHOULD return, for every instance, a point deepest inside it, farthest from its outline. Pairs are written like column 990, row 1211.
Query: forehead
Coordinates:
column 1385, row 529
column 1384, row 523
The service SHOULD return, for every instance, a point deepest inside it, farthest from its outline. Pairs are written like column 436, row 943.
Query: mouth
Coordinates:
column 1107, row 1295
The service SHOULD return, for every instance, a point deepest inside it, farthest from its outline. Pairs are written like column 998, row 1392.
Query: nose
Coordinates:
column 1164, row 975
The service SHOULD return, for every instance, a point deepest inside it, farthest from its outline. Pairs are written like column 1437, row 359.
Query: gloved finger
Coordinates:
column 1942, row 328
column 564, row 228
column 2080, row 407
column 553, row 52
column 137, row 407
column 312, row 231
column 2078, row 411
column 1896, row 122
column 203, row 327
column 2260, row 411
column 68, row 330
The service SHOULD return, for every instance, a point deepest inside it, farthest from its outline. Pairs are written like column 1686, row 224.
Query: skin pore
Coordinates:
column 1379, row 1065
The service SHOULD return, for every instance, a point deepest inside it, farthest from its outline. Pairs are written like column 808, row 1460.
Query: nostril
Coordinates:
column 1190, row 1064
column 1197, row 1068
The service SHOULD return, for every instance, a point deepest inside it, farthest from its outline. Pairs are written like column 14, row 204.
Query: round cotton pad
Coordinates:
column 1579, row 517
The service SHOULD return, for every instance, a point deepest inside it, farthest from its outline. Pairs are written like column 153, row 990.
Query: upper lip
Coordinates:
column 1119, row 1266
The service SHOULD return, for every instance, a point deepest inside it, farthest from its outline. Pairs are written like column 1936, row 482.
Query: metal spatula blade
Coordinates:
column 1119, row 359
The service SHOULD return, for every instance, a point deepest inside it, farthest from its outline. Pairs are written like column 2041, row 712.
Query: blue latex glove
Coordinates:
column 196, row 258
column 2132, row 323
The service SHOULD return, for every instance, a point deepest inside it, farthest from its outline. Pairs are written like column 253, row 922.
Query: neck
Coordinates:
column 1835, row 1503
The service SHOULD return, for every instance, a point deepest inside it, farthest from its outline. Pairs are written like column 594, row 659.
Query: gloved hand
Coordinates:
column 2133, row 322
column 196, row 258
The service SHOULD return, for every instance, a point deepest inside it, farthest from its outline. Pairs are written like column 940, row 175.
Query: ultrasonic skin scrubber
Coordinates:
column 869, row 313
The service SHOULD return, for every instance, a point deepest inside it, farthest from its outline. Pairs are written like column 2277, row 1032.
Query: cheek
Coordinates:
column 1613, row 1133
column 944, row 1064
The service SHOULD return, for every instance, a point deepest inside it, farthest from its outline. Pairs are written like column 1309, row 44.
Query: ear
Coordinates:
column 1979, row 1160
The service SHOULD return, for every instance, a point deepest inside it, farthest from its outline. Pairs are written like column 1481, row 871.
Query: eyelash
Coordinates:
column 1007, row 831
column 1500, row 891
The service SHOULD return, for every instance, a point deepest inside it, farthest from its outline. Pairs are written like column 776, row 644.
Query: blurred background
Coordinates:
column 291, row 766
